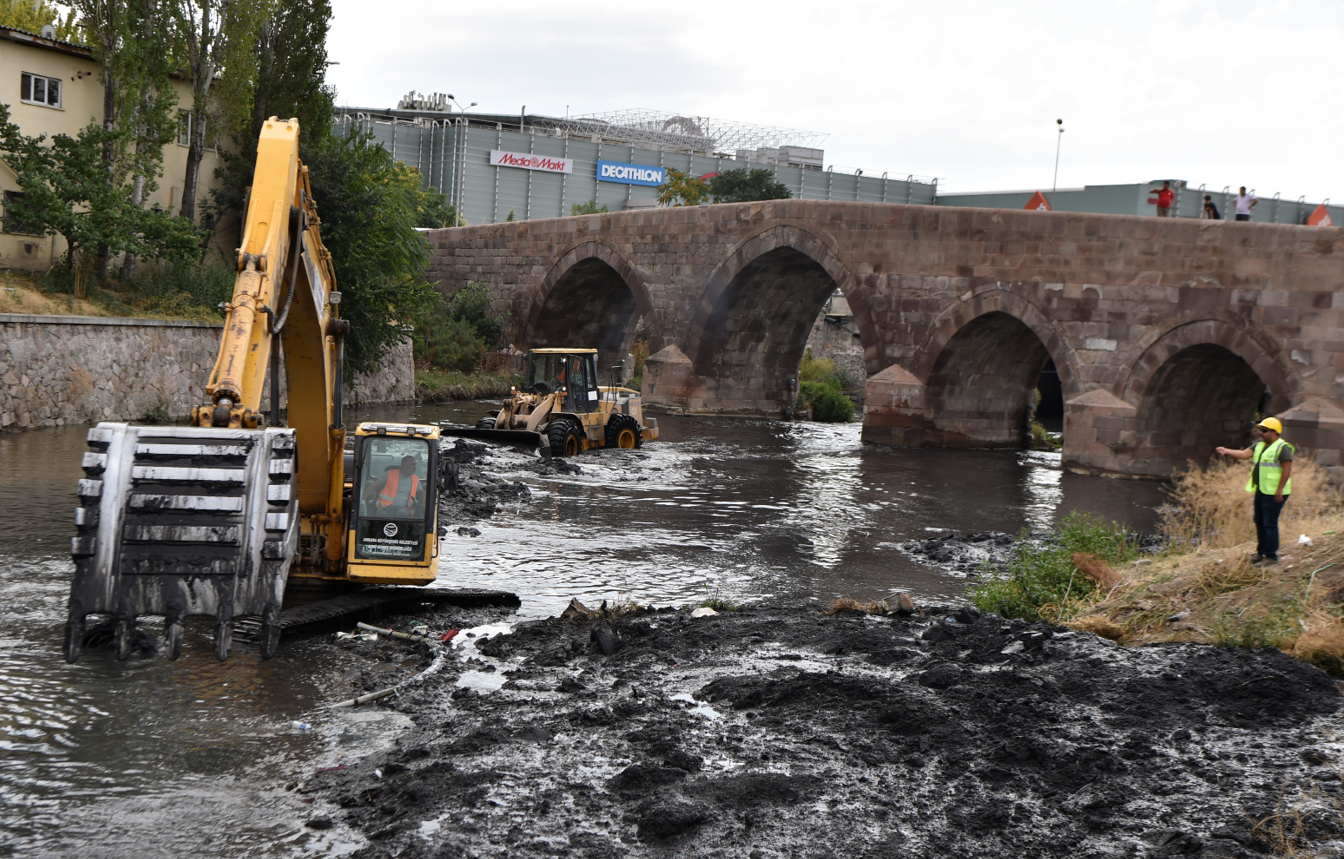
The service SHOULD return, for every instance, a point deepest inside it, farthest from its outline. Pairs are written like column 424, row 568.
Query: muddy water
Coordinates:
column 152, row 758
column 750, row 509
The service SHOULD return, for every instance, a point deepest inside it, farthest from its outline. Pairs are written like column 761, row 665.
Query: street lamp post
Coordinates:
column 1058, row 140
column 460, row 108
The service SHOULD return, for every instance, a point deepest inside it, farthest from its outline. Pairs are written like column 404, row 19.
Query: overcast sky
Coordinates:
column 1217, row 93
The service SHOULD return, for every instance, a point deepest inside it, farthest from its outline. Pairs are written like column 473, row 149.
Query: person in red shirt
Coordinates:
column 1165, row 197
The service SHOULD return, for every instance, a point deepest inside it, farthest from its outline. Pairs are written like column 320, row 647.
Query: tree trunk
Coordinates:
column 137, row 197
column 195, row 152
column 104, row 260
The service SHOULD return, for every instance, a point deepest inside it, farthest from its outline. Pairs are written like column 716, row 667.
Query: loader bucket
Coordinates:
column 517, row 438
column 179, row 521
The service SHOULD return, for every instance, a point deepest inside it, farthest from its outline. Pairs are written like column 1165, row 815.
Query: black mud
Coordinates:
column 777, row 731
column 966, row 553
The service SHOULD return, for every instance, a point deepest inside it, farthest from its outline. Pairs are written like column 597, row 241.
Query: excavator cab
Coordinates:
column 392, row 536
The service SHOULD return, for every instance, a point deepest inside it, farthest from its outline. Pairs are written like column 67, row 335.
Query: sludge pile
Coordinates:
column 782, row 732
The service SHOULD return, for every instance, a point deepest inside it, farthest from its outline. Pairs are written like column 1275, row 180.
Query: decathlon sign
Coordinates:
column 499, row 158
column 630, row 174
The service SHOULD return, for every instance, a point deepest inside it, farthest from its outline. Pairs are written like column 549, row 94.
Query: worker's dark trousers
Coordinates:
column 1267, row 524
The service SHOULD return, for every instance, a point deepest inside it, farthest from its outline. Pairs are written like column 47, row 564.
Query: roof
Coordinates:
column 558, row 351
column 38, row 41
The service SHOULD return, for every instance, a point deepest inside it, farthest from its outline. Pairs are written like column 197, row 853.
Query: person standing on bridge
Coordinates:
column 1164, row 199
column 1245, row 202
column 1271, row 480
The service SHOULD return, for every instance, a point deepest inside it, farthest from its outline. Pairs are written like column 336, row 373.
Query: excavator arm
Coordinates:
column 209, row 519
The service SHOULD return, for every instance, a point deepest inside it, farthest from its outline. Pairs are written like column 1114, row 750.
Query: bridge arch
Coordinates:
column 981, row 366
column 592, row 296
column 751, row 324
column 1199, row 384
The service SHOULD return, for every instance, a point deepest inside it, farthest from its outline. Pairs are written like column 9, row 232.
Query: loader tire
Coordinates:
column 564, row 438
column 623, row 432
column 485, row 423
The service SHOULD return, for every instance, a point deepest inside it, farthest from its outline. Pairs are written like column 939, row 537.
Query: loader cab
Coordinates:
column 393, row 526
column 573, row 371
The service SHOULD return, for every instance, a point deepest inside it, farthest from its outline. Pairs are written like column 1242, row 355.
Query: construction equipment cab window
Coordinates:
column 394, row 497
column 575, row 374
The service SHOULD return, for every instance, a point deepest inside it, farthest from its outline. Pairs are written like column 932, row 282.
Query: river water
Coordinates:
column 153, row 758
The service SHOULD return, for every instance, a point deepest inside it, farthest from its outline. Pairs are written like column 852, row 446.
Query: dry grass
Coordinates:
column 1205, row 589
column 20, row 295
column 1212, row 508
column 1098, row 625
column 1096, row 569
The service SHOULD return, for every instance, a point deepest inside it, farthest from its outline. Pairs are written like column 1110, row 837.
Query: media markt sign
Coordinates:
column 630, row 174
column 499, row 158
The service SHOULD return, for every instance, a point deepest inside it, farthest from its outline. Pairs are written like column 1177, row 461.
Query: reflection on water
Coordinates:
column 190, row 758
column 145, row 757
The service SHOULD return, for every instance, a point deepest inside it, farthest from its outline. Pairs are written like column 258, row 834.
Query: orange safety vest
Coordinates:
column 388, row 494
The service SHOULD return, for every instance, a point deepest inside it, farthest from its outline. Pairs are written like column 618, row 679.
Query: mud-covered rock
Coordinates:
column 777, row 731
column 965, row 553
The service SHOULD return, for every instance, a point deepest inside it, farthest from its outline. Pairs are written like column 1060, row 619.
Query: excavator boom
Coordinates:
column 209, row 519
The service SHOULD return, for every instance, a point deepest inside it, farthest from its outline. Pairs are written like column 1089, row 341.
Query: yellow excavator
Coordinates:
column 218, row 518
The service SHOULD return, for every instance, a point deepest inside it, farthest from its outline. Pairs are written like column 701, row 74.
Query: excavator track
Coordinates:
column 179, row 522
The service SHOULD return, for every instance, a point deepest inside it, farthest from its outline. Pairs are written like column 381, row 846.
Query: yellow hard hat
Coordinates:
column 1271, row 424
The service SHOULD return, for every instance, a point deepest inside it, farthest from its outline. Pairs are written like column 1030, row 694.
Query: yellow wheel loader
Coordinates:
column 562, row 410
column 218, row 518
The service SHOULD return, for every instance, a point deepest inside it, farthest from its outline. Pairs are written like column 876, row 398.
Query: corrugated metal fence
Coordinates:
column 454, row 157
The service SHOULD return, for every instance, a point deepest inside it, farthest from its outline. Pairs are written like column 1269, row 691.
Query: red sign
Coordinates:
column 1320, row 218
column 499, row 158
column 1038, row 203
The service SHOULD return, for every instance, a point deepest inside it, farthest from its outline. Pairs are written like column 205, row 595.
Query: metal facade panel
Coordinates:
column 454, row 157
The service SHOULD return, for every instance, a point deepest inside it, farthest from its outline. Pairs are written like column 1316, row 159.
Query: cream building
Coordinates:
column 53, row 87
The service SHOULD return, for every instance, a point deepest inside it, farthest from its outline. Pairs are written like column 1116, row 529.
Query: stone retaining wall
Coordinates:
column 56, row 370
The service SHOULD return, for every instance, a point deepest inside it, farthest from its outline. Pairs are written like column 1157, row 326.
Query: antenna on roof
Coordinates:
column 48, row 31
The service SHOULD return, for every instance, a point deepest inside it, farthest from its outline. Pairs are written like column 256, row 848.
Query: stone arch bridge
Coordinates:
column 1167, row 335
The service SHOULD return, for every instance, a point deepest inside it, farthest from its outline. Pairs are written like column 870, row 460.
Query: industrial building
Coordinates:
column 525, row 166
column 495, row 167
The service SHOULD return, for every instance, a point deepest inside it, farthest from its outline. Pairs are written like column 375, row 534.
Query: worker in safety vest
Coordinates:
column 399, row 490
column 1271, row 481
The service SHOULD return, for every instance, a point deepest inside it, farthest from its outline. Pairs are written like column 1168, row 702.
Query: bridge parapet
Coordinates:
column 1167, row 335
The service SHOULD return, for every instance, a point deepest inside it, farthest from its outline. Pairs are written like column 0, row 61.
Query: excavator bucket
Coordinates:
column 179, row 521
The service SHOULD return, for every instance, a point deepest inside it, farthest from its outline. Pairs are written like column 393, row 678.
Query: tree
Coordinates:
column 216, row 35
column 433, row 211
column 291, row 47
column 32, row 17
column 739, row 186
column 132, row 44
column 369, row 214
column 681, row 189
column 66, row 192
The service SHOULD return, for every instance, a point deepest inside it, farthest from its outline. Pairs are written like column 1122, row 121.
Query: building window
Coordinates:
column 183, row 128
column 36, row 89
column 13, row 224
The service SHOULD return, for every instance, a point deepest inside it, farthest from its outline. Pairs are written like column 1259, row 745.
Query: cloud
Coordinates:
column 968, row 91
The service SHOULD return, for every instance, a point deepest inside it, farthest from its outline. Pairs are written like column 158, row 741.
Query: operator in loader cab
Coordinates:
column 399, row 489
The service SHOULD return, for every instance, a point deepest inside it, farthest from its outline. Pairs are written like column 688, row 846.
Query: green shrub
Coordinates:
column 588, row 208
column 827, row 400
column 182, row 289
column 813, row 369
column 1040, row 582
column 457, row 333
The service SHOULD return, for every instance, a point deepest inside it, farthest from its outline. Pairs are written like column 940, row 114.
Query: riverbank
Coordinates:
column 442, row 386
column 780, row 731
